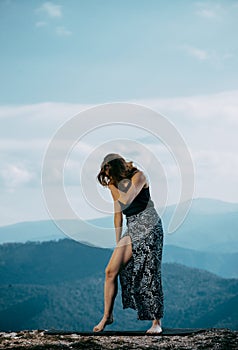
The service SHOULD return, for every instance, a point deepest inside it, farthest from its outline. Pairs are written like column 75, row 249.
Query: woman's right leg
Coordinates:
column 120, row 256
column 156, row 327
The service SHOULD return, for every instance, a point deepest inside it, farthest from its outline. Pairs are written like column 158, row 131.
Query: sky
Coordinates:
column 58, row 58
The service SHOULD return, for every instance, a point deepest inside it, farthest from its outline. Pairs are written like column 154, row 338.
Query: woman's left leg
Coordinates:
column 121, row 255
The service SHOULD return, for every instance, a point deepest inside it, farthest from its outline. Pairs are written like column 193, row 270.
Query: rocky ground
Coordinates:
column 219, row 339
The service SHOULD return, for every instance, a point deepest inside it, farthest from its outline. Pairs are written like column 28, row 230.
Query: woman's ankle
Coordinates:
column 157, row 322
column 107, row 316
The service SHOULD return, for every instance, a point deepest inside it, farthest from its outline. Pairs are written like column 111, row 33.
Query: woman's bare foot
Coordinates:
column 155, row 328
column 103, row 323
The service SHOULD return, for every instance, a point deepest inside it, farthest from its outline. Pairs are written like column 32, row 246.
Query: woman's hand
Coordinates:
column 136, row 184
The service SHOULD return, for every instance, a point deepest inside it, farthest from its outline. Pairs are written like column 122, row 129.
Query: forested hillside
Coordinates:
column 60, row 285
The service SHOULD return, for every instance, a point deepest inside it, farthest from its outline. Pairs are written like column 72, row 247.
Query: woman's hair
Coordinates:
column 118, row 169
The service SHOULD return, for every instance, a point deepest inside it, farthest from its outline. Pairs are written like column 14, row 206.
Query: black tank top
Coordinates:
column 140, row 203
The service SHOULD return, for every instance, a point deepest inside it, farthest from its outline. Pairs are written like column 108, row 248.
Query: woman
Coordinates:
column 138, row 253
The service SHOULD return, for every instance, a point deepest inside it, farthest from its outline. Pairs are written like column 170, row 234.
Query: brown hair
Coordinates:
column 118, row 169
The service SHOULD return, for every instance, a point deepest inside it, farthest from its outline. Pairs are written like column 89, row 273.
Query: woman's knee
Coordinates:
column 110, row 273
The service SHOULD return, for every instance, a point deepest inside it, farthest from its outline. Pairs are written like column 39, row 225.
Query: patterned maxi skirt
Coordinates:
column 140, row 278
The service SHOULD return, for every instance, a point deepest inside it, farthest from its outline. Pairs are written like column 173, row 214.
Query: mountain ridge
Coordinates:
column 210, row 224
column 51, row 284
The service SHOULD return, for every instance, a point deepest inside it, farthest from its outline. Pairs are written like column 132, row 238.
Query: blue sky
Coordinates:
column 60, row 57
column 99, row 51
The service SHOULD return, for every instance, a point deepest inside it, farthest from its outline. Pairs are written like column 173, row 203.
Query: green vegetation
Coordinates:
column 60, row 285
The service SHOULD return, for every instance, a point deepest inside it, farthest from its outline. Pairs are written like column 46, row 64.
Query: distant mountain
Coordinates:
column 222, row 264
column 211, row 226
column 225, row 311
column 207, row 232
column 60, row 285
column 49, row 262
column 207, row 239
column 30, row 231
column 211, row 206
column 196, row 298
column 97, row 232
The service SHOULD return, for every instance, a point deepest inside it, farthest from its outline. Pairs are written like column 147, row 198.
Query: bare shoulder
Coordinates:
column 139, row 178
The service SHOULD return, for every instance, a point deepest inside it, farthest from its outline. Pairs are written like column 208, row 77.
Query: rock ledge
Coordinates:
column 219, row 339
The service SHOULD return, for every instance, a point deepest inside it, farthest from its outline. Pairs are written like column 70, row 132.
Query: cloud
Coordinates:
column 15, row 175
column 221, row 106
column 62, row 31
column 50, row 9
column 207, row 13
column 211, row 56
column 22, row 145
column 35, row 117
column 53, row 11
column 209, row 10
column 200, row 54
column 41, row 24
column 208, row 124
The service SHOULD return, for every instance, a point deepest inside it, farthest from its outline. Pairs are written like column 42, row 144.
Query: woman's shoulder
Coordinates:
column 137, row 173
column 140, row 176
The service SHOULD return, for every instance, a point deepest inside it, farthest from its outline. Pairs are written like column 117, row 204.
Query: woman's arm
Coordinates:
column 137, row 183
column 118, row 220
